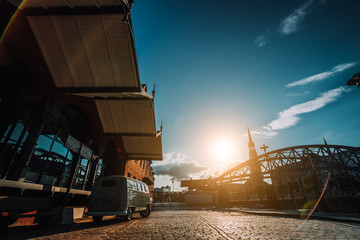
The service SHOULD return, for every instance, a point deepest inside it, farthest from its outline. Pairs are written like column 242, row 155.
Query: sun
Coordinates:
column 224, row 149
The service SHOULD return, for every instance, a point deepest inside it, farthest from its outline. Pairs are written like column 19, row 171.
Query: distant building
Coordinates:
column 163, row 189
column 166, row 189
column 196, row 184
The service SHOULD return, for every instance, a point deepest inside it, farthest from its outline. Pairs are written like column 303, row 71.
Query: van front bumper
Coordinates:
column 121, row 213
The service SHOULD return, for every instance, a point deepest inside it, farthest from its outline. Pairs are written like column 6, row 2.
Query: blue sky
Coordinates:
column 279, row 66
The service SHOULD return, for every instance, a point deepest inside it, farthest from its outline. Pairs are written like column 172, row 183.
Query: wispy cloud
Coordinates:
column 219, row 168
column 291, row 23
column 290, row 117
column 323, row 75
column 265, row 132
column 262, row 39
column 179, row 166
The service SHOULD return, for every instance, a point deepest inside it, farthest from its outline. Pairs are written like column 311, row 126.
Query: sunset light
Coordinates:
column 224, row 149
column 179, row 119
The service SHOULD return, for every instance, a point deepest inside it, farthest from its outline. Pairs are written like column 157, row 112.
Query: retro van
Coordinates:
column 120, row 196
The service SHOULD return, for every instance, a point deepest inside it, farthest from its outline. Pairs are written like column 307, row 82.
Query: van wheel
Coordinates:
column 146, row 212
column 97, row 219
column 129, row 214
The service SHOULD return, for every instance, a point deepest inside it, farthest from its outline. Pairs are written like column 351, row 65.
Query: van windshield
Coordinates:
column 108, row 183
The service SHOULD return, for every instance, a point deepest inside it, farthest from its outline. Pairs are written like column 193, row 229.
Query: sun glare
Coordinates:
column 224, row 150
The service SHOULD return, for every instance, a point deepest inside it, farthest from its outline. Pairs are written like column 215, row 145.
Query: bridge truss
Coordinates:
column 293, row 177
column 296, row 176
column 333, row 159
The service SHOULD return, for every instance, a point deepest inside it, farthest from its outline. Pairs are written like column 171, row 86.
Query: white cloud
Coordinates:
column 290, row 117
column 291, row 23
column 323, row 75
column 265, row 132
column 262, row 39
column 179, row 166
column 218, row 169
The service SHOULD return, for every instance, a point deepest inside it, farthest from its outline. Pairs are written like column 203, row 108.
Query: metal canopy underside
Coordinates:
column 87, row 44
column 89, row 50
column 127, row 117
column 117, row 95
column 134, row 120
column 143, row 148
column 46, row 4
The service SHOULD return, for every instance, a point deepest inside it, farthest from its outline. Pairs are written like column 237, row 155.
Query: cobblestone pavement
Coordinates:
column 195, row 225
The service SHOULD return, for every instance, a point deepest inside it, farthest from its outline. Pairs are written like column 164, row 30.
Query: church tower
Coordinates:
column 252, row 150
column 254, row 163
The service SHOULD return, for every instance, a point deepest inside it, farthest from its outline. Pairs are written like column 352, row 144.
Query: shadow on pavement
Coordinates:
column 34, row 231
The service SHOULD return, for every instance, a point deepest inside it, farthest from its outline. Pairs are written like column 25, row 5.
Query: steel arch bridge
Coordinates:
column 334, row 159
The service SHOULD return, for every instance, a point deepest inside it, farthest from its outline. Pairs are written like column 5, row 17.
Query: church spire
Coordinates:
column 251, row 143
column 252, row 150
column 325, row 141
column 255, row 167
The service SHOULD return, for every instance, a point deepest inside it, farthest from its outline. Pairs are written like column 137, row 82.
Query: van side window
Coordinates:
column 138, row 186
column 108, row 183
column 146, row 188
column 131, row 184
column 142, row 187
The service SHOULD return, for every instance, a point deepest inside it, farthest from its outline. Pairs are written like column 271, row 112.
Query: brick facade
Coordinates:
column 140, row 170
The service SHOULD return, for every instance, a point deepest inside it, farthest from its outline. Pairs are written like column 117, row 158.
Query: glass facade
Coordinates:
column 11, row 143
column 60, row 146
column 81, row 175
column 99, row 169
column 51, row 162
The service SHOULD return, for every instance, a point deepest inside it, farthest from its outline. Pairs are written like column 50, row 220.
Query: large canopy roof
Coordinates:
column 89, row 50
column 87, row 44
column 46, row 4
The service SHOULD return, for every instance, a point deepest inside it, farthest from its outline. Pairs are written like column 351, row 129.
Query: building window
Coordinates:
column 51, row 161
column 54, row 154
column 99, row 169
column 128, row 174
column 11, row 143
column 81, row 174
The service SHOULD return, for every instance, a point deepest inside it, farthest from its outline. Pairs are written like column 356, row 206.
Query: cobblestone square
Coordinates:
column 204, row 224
